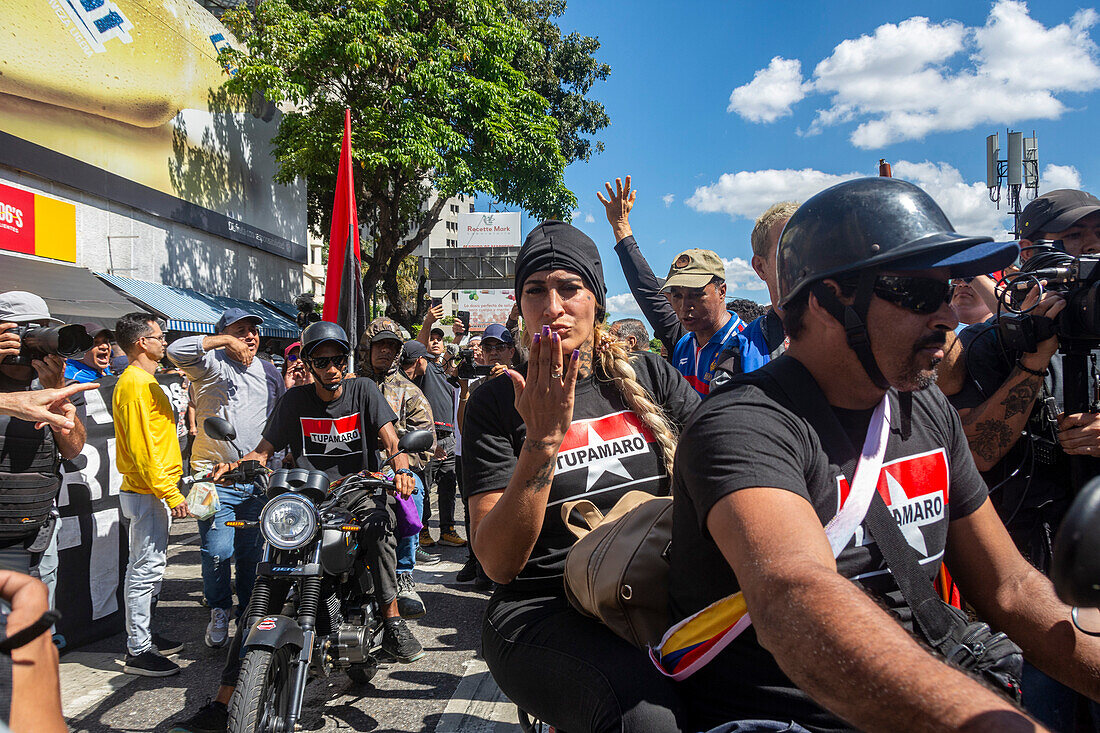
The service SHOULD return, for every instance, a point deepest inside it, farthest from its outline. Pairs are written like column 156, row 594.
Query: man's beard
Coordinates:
column 924, row 378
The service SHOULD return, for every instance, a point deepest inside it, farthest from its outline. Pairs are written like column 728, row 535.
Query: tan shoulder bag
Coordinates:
column 617, row 572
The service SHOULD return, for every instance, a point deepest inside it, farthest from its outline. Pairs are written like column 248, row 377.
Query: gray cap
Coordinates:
column 19, row 306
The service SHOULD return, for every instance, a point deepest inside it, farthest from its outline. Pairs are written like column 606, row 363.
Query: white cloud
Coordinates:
column 740, row 275
column 907, row 80
column 574, row 214
column 623, row 304
column 746, row 194
column 771, row 93
column 668, row 198
column 589, row 219
column 1054, row 177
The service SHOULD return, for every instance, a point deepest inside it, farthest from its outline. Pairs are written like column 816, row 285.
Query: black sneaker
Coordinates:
column 484, row 582
column 468, row 571
column 423, row 557
column 167, row 647
column 150, row 664
column 399, row 642
column 213, row 717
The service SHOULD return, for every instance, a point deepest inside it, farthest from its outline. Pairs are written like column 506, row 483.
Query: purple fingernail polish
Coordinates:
column 555, row 337
column 576, row 354
column 536, row 338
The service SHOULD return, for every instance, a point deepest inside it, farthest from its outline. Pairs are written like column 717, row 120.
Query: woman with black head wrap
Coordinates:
column 586, row 419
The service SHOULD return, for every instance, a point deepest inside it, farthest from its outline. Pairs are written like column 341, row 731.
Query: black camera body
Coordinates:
column 466, row 367
column 1077, row 279
column 37, row 342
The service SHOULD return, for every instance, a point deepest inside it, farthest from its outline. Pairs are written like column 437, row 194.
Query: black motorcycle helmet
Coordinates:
column 321, row 332
column 856, row 229
column 324, row 332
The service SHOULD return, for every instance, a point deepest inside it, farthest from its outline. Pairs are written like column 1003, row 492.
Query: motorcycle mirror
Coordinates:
column 416, row 441
column 218, row 428
column 1075, row 565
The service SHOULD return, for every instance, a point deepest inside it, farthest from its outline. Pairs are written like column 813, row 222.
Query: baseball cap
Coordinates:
column 498, row 332
column 292, row 347
column 694, row 268
column 94, row 329
column 233, row 315
column 1056, row 210
column 436, row 330
column 412, row 351
column 19, row 306
column 385, row 335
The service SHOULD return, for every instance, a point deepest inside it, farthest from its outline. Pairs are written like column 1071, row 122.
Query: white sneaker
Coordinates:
column 217, row 631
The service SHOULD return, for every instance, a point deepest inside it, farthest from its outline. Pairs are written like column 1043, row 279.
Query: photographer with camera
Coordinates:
column 31, row 454
column 1014, row 410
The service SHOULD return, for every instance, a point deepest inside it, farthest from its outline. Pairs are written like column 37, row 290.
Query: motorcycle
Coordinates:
column 312, row 611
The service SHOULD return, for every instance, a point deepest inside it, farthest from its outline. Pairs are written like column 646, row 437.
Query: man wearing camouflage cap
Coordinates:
column 378, row 359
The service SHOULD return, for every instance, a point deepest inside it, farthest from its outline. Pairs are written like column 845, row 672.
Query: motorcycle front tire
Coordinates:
column 261, row 703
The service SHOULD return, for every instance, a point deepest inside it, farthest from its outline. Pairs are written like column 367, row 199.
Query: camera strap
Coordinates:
column 30, row 633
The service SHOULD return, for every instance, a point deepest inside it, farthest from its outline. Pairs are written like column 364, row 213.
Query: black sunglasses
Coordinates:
column 922, row 295
column 324, row 362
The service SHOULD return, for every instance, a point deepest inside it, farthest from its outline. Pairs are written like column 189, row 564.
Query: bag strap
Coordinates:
column 589, row 512
column 929, row 611
column 593, row 517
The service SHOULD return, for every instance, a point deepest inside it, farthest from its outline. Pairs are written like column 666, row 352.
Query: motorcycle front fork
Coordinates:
column 307, row 620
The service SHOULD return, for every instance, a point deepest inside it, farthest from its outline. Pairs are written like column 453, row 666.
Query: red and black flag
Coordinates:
column 345, row 302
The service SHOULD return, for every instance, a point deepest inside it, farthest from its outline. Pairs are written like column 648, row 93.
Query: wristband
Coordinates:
column 406, row 471
column 1022, row 368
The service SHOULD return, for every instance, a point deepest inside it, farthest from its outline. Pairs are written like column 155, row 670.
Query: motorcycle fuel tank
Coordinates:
column 338, row 551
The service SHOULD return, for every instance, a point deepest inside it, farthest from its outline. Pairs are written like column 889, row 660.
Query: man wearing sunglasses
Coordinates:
column 1014, row 413
column 767, row 464
column 336, row 425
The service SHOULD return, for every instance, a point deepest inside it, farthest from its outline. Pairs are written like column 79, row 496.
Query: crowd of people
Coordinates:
column 863, row 461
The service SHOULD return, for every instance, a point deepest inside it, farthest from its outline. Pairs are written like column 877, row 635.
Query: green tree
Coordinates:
column 440, row 98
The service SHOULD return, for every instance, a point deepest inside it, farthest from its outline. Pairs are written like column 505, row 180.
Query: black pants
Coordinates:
column 572, row 672
column 442, row 473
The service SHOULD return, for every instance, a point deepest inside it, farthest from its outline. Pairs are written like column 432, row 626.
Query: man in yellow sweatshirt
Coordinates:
column 147, row 454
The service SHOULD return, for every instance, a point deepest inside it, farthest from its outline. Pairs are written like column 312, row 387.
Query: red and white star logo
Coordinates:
column 327, row 435
column 916, row 490
column 600, row 445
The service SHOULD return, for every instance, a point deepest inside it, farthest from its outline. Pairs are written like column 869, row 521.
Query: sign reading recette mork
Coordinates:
column 124, row 99
column 488, row 230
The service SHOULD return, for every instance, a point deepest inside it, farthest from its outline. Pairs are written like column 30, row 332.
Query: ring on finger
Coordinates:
column 556, row 375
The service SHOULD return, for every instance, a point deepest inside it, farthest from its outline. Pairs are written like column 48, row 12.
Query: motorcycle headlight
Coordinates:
column 288, row 522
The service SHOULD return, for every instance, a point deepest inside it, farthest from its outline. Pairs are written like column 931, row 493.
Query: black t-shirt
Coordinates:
column 338, row 437
column 606, row 453
column 441, row 395
column 1031, row 486
column 743, row 438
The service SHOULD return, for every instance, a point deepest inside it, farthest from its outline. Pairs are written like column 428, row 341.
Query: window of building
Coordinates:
column 471, row 208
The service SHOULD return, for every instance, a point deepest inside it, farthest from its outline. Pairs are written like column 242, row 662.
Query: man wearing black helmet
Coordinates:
column 336, row 425
column 769, row 500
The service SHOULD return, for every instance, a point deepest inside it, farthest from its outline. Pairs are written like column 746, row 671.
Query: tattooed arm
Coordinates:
column 506, row 524
column 994, row 426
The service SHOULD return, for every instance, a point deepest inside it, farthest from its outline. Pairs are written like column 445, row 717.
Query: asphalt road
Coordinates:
column 447, row 690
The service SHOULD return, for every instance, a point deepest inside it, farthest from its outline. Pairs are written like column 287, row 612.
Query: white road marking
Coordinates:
column 478, row 705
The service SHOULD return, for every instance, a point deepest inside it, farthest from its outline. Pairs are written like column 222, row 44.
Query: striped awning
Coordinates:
column 194, row 312
column 184, row 310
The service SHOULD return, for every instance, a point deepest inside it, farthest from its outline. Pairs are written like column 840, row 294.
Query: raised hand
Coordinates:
column 617, row 206
column 545, row 398
column 238, row 350
column 45, row 406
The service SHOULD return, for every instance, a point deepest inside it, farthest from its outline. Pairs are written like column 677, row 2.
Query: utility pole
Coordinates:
column 1018, row 169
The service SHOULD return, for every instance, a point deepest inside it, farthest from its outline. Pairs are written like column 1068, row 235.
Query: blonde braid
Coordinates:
column 613, row 363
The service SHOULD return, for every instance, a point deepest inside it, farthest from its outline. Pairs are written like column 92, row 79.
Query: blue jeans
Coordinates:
column 1053, row 704
column 406, row 546
column 220, row 544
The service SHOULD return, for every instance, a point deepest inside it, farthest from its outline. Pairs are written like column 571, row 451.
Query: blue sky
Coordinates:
column 834, row 87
